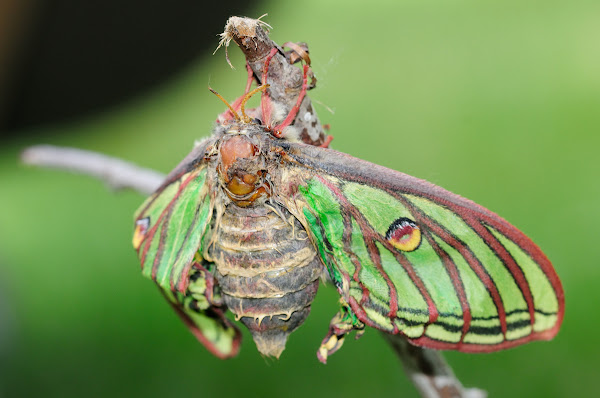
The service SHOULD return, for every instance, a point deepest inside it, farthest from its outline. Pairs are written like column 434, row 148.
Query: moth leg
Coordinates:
column 265, row 99
column 344, row 322
column 278, row 130
column 202, row 310
column 327, row 141
column 203, row 287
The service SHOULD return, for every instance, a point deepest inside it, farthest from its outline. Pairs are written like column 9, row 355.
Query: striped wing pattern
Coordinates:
column 209, row 326
column 475, row 283
column 169, row 228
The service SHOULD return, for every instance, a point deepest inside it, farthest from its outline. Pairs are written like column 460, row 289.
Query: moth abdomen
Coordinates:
column 268, row 272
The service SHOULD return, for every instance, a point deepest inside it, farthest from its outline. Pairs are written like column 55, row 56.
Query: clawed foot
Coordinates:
column 342, row 323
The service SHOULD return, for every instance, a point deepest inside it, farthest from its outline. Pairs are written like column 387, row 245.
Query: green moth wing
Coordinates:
column 412, row 258
column 206, row 321
column 170, row 224
column 169, row 228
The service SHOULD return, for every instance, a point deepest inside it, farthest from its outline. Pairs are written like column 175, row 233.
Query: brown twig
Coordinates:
column 117, row 173
column 429, row 372
column 284, row 79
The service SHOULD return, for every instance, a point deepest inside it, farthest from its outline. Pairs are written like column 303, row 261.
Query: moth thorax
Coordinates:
column 239, row 170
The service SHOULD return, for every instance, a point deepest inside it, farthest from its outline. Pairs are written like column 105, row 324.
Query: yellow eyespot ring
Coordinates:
column 404, row 234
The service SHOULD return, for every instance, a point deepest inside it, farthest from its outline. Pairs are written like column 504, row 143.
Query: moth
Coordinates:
column 250, row 220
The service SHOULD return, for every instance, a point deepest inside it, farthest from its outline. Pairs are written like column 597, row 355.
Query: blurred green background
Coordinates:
column 496, row 101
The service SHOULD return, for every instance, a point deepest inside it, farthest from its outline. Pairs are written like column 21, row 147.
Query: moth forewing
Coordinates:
column 422, row 261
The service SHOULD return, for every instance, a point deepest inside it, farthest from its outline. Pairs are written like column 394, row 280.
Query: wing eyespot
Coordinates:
column 141, row 227
column 404, row 234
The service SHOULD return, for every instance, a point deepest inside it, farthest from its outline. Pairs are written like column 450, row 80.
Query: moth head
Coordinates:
column 235, row 146
column 241, row 169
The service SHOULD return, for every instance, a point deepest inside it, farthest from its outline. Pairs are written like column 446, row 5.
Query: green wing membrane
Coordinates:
column 207, row 323
column 170, row 226
column 460, row 278
column 169, row 229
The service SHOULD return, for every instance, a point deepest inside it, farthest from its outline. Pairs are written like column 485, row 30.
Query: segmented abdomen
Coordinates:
column 267, row 270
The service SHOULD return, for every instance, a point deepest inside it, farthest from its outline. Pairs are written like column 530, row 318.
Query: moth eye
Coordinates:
column 404, row 234
column 141, row 227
